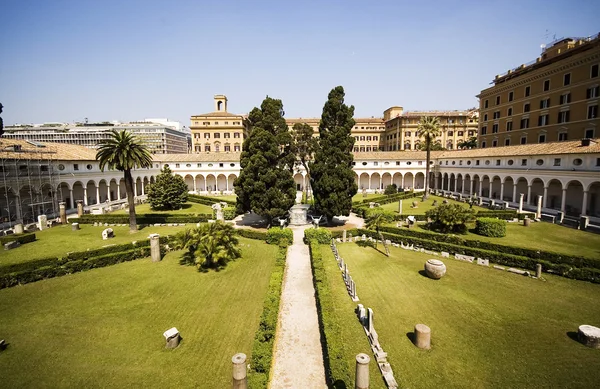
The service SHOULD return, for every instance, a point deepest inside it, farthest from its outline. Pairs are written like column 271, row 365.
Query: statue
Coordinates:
column 316, row 220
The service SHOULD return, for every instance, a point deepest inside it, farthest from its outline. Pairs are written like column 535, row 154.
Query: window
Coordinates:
column 60, row 167
column 562, row 136
column 497, row 100
column 597, row 159
column 374, row 138
column 206, row 123
column 487, row 162
column 220, row 165
column 226, row 123
column 495, row 128
column 524, row 162
column 450, row 133
column 563, row 117
column 546, row 85
column 592, row 112
column 495, row 144
column 556, row 161
column 207, row 135
column 497, row 115
column 485, row 104
column 507, row 142
column 483, row 130
column 227, row 148
column 497, row 162
column 545, row 103
column 471, row 133
column 524, row 123
column 236, row 147
column 236, row 134
column 565, row 99
column 543, row 120
column 216, row 123
column 483, row 145
column 75, row 166
column 594, row 71
column 527, row 91
column 577, row 162
column 539, row 162
column 509, row 112
column 589, row 133
column 460, row 133
column 523, row 140
column 508, row 126
column 510, row 96
column 410, row 163
column 226, row 135
column 592, row 92
column 88, row 166
column 526, row 107
column 199, row 165
column 485, row 117
column 207, row 148
column 542, row 138
column 567, row 79
column 407, row 146
column 217, row 135
column 375, row 163
column 368, row 138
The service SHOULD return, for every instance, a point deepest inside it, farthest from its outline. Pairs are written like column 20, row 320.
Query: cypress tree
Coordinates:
column 333, row 181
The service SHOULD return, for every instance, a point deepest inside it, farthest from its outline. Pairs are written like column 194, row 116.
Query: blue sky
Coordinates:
column 65, row 60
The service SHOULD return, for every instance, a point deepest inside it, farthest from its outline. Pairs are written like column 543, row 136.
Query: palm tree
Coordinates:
column 210, row 245
column 376, row 217
column 123, row 151
column 429, row 129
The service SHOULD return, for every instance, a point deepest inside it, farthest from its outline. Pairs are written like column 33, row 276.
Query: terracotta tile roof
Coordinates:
column 219, row 114
column 567, row 147
column 201, row 157
column 394, row 155
column 55, row 151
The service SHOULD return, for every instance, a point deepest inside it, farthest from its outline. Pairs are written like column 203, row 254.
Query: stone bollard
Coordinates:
column 344, row 237
column 589, row 336
column 362, row 371
column 538, row 270
column 155, row 247
column 422, row 336
column 240, row 380
column 584, row 221
column 526, row 222
column 75, row 227
column 62, row 212
column 79, row 208
column 559, row 217
column 19, row 228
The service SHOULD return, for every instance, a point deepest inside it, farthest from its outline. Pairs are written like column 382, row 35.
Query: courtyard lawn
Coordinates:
column 59, row 240
column 187, row 208
column 545, row 236
column 222, row 197
column 423, row 207
column 490, row 329
column 103, row 327
column 359, row 197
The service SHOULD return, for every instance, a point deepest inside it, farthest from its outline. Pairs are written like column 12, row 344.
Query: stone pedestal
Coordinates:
column 538, row 213
column 298, row 214
column 155, row 247
column 79, row 208
column 19, row 228
column 240, row 380
column 589, row 336
column 584, row 221
column 422, row 337
column 344, row 236
column 63, row 213
column 538, row 270
column 362, row 371
column 42, row 222
column 521, row 202
column 526, row 222
column 434, row 268
column 172, row 337
column 75, row 227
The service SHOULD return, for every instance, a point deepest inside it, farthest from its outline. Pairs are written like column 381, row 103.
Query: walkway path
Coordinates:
column 298, row 359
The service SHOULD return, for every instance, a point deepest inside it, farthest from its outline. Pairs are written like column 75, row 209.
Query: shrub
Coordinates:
column 488, row 226
column 275, row 235
column 450, row 218
column 391, row 189
column 252, row 234
column 21, row 238
column 321, row 235
column 168, row 192
column 211, row 245
column 264, row 338
column 208, row 200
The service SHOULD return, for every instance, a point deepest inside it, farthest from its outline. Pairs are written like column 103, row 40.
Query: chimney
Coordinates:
column 587, row 142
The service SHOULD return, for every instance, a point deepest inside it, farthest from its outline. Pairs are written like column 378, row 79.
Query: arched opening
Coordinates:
column 299, row 181
column 200, row 183
column 409, row 181
column 221, row 183
column 485, row 186
column 63, row 194
column 554, row 198
column 375, row 181
column 452, row 183
column 364, row 181
column 592, row 205
column 91, row 193
column 467, row 185
column 537, row 189
column 219, row 105
column 459, row 183
column 113, row 189
column 146, row 182
column 211, row 183
column 496, row 183
column 509, row 185
column 476, row 184
column 521, row 188
column 397, row 180
column 8, row 205
column 573, row 198
column 419, row 181
column 152, row 179
column 386, row 180
column 103, row 190
column 230, row 181
column 189, row 181
column 122, row 188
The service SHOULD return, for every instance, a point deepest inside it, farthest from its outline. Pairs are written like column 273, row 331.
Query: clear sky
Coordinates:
column 65, row 60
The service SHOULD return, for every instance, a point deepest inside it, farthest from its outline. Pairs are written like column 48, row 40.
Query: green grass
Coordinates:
column 103, row 327
column 490, row 329
column 187, row 208
column 359, row 197
column 423, row 207
column 59, row 240
column 224, row 197
column 545, row 236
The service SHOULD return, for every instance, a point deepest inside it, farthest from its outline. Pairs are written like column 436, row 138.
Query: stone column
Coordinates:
column 501, row 190
column 471, row 182
column 491, row 189
column 79, row 208
column 97, row 195
column 108, row 196
column 71, row 200
column 362, row 371
column 422, row 336
column 370, row 181
column 521, row 202
column 514, row 197
column 155, row 247
column 443, row 182
column 584, row 222
column 18, row 208
column 563, row 200
column 62, row 212
column 240, row 380
column 480, row 188
column 195, row 188
column 85, row 198
column 413, row 182
column 134, row 189
column 227, row 183
column 529, row 195
column 462, row 188
column 19, row 228
column 545, row 197
column 344, row 236
column 538, row 270
column 143, row 189
column 538, row 213
column 435, row 181
column 119, row 191
column 584, row 203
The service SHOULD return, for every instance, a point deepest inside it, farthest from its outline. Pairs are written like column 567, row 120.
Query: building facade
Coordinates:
column 159, row 138
column 553, row 98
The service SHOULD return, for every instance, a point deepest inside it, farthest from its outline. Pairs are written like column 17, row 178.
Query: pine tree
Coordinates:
column 266, row 185
column 333, row 181
column 168, row 192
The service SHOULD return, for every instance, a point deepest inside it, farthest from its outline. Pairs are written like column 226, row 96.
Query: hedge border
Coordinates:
column 149, row 218
column 264, row 338
column 21, row 238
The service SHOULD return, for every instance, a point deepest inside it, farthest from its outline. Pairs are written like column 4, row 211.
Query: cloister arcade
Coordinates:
column 205, row 183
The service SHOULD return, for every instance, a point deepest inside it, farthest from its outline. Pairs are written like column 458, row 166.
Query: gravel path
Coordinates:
column 298, row 359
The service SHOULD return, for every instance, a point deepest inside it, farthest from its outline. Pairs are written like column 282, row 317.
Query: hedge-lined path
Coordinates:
column 298, row 358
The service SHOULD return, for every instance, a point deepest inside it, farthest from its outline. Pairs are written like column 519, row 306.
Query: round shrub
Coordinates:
column 487, row 226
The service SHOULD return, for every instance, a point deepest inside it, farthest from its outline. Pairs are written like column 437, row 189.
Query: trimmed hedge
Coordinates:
column 487, row 226
column 208, row 200
column 276, row 235
column 391, row 198
column 582, row 272
column 321, row 235
column 338, row 372
column 251, row 234
column 504, row 215
column 551, row 257
column 340, row 233
column 148, row 218
column 264, row 339
column 21, row 238
column 29, row 265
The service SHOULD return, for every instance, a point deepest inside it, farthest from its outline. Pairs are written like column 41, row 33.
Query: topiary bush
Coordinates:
column 488, row 226
column 321, row 235
column 391, row 189
column 276, row 235
column 450, row 218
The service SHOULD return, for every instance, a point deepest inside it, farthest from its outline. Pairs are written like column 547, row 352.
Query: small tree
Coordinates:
column 391, row 189
column 470, row 143
column 208, row 246
column 450, row 218
column 376, row 217
column 168, row 192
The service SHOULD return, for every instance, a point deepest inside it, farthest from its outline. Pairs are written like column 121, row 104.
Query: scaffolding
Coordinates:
column 29, row 180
